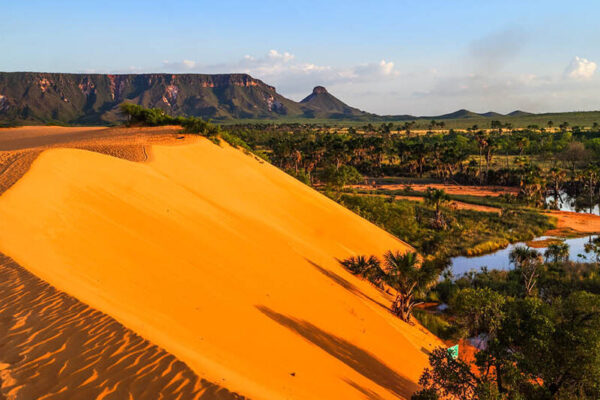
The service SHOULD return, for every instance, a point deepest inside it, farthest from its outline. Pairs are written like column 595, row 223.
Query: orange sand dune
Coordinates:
column 222, row 260
column 55, row 347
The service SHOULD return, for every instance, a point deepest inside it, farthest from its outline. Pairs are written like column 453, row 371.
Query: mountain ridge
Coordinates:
column 94, row 99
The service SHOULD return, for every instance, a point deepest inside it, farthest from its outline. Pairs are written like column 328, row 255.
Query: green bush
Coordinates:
column 340, row 177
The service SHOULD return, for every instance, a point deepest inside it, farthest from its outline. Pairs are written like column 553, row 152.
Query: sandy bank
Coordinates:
column 568, row 222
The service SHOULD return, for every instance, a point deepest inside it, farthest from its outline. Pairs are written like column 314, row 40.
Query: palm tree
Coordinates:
column 368, row 267
column 436, row 198
column 528, row 261
column 556, row 176
column 409, row 279
column 482, row 143
column 557, row 252
column 593, row 246
column 590, row 176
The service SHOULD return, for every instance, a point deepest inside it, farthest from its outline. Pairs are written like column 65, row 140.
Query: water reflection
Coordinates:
column 499, row 259
column 568, row 203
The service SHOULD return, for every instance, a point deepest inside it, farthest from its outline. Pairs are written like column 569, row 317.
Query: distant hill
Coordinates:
column 519, row 113
column 458, row 114
column 491, row 114
column 94, row 99
column 320, row 103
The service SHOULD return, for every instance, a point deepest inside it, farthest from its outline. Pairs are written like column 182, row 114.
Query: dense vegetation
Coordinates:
column 402, row 272
column 538, row 161
column 537, row 329
column 465, row 232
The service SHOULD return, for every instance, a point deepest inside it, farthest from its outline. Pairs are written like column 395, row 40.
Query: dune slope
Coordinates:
column 54, row 348
column 222, row 260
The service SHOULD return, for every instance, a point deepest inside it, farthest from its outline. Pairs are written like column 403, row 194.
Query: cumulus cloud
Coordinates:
column 290, row 75
column 179, row 66
column 482, row 83
column 373, row 70
column 580, row 69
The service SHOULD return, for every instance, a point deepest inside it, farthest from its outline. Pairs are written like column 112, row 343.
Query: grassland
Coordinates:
column 575, row 118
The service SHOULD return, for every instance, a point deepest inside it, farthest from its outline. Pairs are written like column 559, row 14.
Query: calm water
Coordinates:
column 566, row 203
column 499, row 259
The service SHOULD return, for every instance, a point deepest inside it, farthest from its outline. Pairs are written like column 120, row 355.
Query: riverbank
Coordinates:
column 569, row 224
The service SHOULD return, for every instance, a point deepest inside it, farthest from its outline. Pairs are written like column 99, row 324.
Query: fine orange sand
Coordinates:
column 54, row 347
column 572, row 222
column 222, row 260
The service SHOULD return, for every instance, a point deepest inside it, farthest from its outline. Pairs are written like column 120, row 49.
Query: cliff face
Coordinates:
column 94, row 98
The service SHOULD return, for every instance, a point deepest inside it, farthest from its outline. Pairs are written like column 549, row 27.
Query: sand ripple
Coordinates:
column 54, row 347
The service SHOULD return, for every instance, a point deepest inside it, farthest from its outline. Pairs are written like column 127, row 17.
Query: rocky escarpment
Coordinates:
column 94, row 98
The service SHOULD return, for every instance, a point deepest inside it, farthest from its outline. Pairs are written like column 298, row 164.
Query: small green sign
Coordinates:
column 453, row 351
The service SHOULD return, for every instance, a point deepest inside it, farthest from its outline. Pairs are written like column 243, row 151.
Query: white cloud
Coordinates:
column 580, row 68
column 375, row 70
column 483, row 83
column 290, row 75
column 179, row 66
column 275, row 55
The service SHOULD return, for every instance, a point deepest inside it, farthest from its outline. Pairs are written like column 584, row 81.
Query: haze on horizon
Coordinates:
column 390, row 57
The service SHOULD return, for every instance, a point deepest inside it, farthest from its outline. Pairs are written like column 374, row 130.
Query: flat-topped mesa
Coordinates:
column 95, row 98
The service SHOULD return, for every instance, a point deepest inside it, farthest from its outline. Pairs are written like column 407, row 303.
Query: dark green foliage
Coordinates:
column 557, row 252
column 138, row 115
column 402, row 272
column 367, row 267
column 437, row 324
column 448, row 377
column 466, row 233
column 535, row 351
column 410, row 278
column 340, row 177
column 200, row 126
column 478, row 311
column 544, row 346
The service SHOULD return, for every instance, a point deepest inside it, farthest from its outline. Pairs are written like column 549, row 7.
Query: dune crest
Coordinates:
column 222, row 260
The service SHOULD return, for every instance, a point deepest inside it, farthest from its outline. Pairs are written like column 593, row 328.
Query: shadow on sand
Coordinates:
column 345, row 284
column 360, row 360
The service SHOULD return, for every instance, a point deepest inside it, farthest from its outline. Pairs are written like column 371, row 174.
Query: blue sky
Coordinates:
column 391, row 57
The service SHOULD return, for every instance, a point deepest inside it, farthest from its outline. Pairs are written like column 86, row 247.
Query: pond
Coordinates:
column 499, row 259
column 568, row 203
